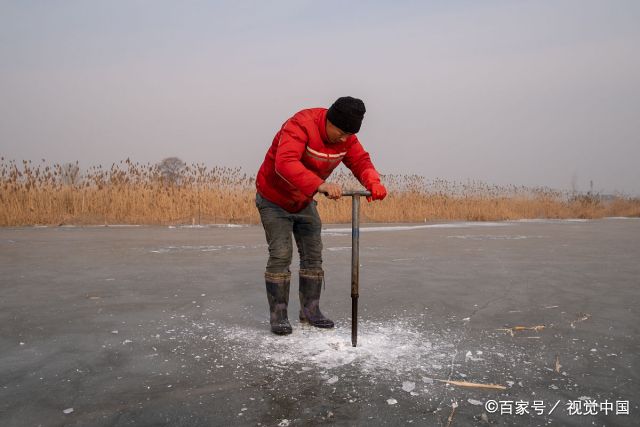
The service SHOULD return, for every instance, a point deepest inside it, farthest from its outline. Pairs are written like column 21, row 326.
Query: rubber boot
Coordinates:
column 310, row 287
column 278, row 297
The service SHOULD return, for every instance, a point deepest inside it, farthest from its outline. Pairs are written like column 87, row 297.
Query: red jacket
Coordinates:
column 300, row 159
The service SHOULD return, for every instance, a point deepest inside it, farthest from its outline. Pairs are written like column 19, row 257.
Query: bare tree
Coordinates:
column 70, row 173
column 172, row 170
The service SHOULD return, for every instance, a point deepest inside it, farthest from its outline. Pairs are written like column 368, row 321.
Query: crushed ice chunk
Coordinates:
column 68, row 410
column 469, row 356
column 332, row 380
column 408, row 386
column 392, row 401
column 474, row 402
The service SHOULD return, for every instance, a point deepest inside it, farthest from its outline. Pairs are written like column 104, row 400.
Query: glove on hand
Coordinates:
column 378, row 192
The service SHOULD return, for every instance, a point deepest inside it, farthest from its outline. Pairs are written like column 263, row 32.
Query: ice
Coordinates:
column 620, row 217
column 199, row 226
column 201, row 248
column 474, row 402
column 408, row 386
column 392, row 347
column 68, row 410
column 493, row 237
column 332, row 380
column 467, row 224
column 392, row 401
column 549, row 221
column 469, row 356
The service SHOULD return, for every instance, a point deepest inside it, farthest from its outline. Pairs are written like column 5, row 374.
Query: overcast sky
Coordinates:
column 508, row 92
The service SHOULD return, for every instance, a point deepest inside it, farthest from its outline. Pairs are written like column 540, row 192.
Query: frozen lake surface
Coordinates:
column 116, row 326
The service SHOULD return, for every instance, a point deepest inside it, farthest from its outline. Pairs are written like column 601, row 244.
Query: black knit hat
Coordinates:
column 346, row 114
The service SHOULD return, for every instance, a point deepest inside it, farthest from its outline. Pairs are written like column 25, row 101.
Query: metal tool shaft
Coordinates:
column 356, row 193
column 355, row 266
column 355, row 259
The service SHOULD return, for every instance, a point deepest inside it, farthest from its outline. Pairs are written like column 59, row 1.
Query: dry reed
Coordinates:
column 135, row 193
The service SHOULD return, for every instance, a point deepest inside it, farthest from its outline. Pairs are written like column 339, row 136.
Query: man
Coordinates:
column 308, row 147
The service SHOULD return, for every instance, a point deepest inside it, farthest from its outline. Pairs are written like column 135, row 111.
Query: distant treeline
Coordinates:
column 172, row 192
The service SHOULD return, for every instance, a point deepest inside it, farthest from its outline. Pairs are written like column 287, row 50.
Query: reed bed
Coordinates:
column 133, row 193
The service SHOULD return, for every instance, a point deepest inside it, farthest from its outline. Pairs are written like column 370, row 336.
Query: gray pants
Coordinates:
column 279, row 225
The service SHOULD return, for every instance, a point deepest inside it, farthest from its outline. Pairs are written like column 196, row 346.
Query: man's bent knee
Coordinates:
column 278, row 264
